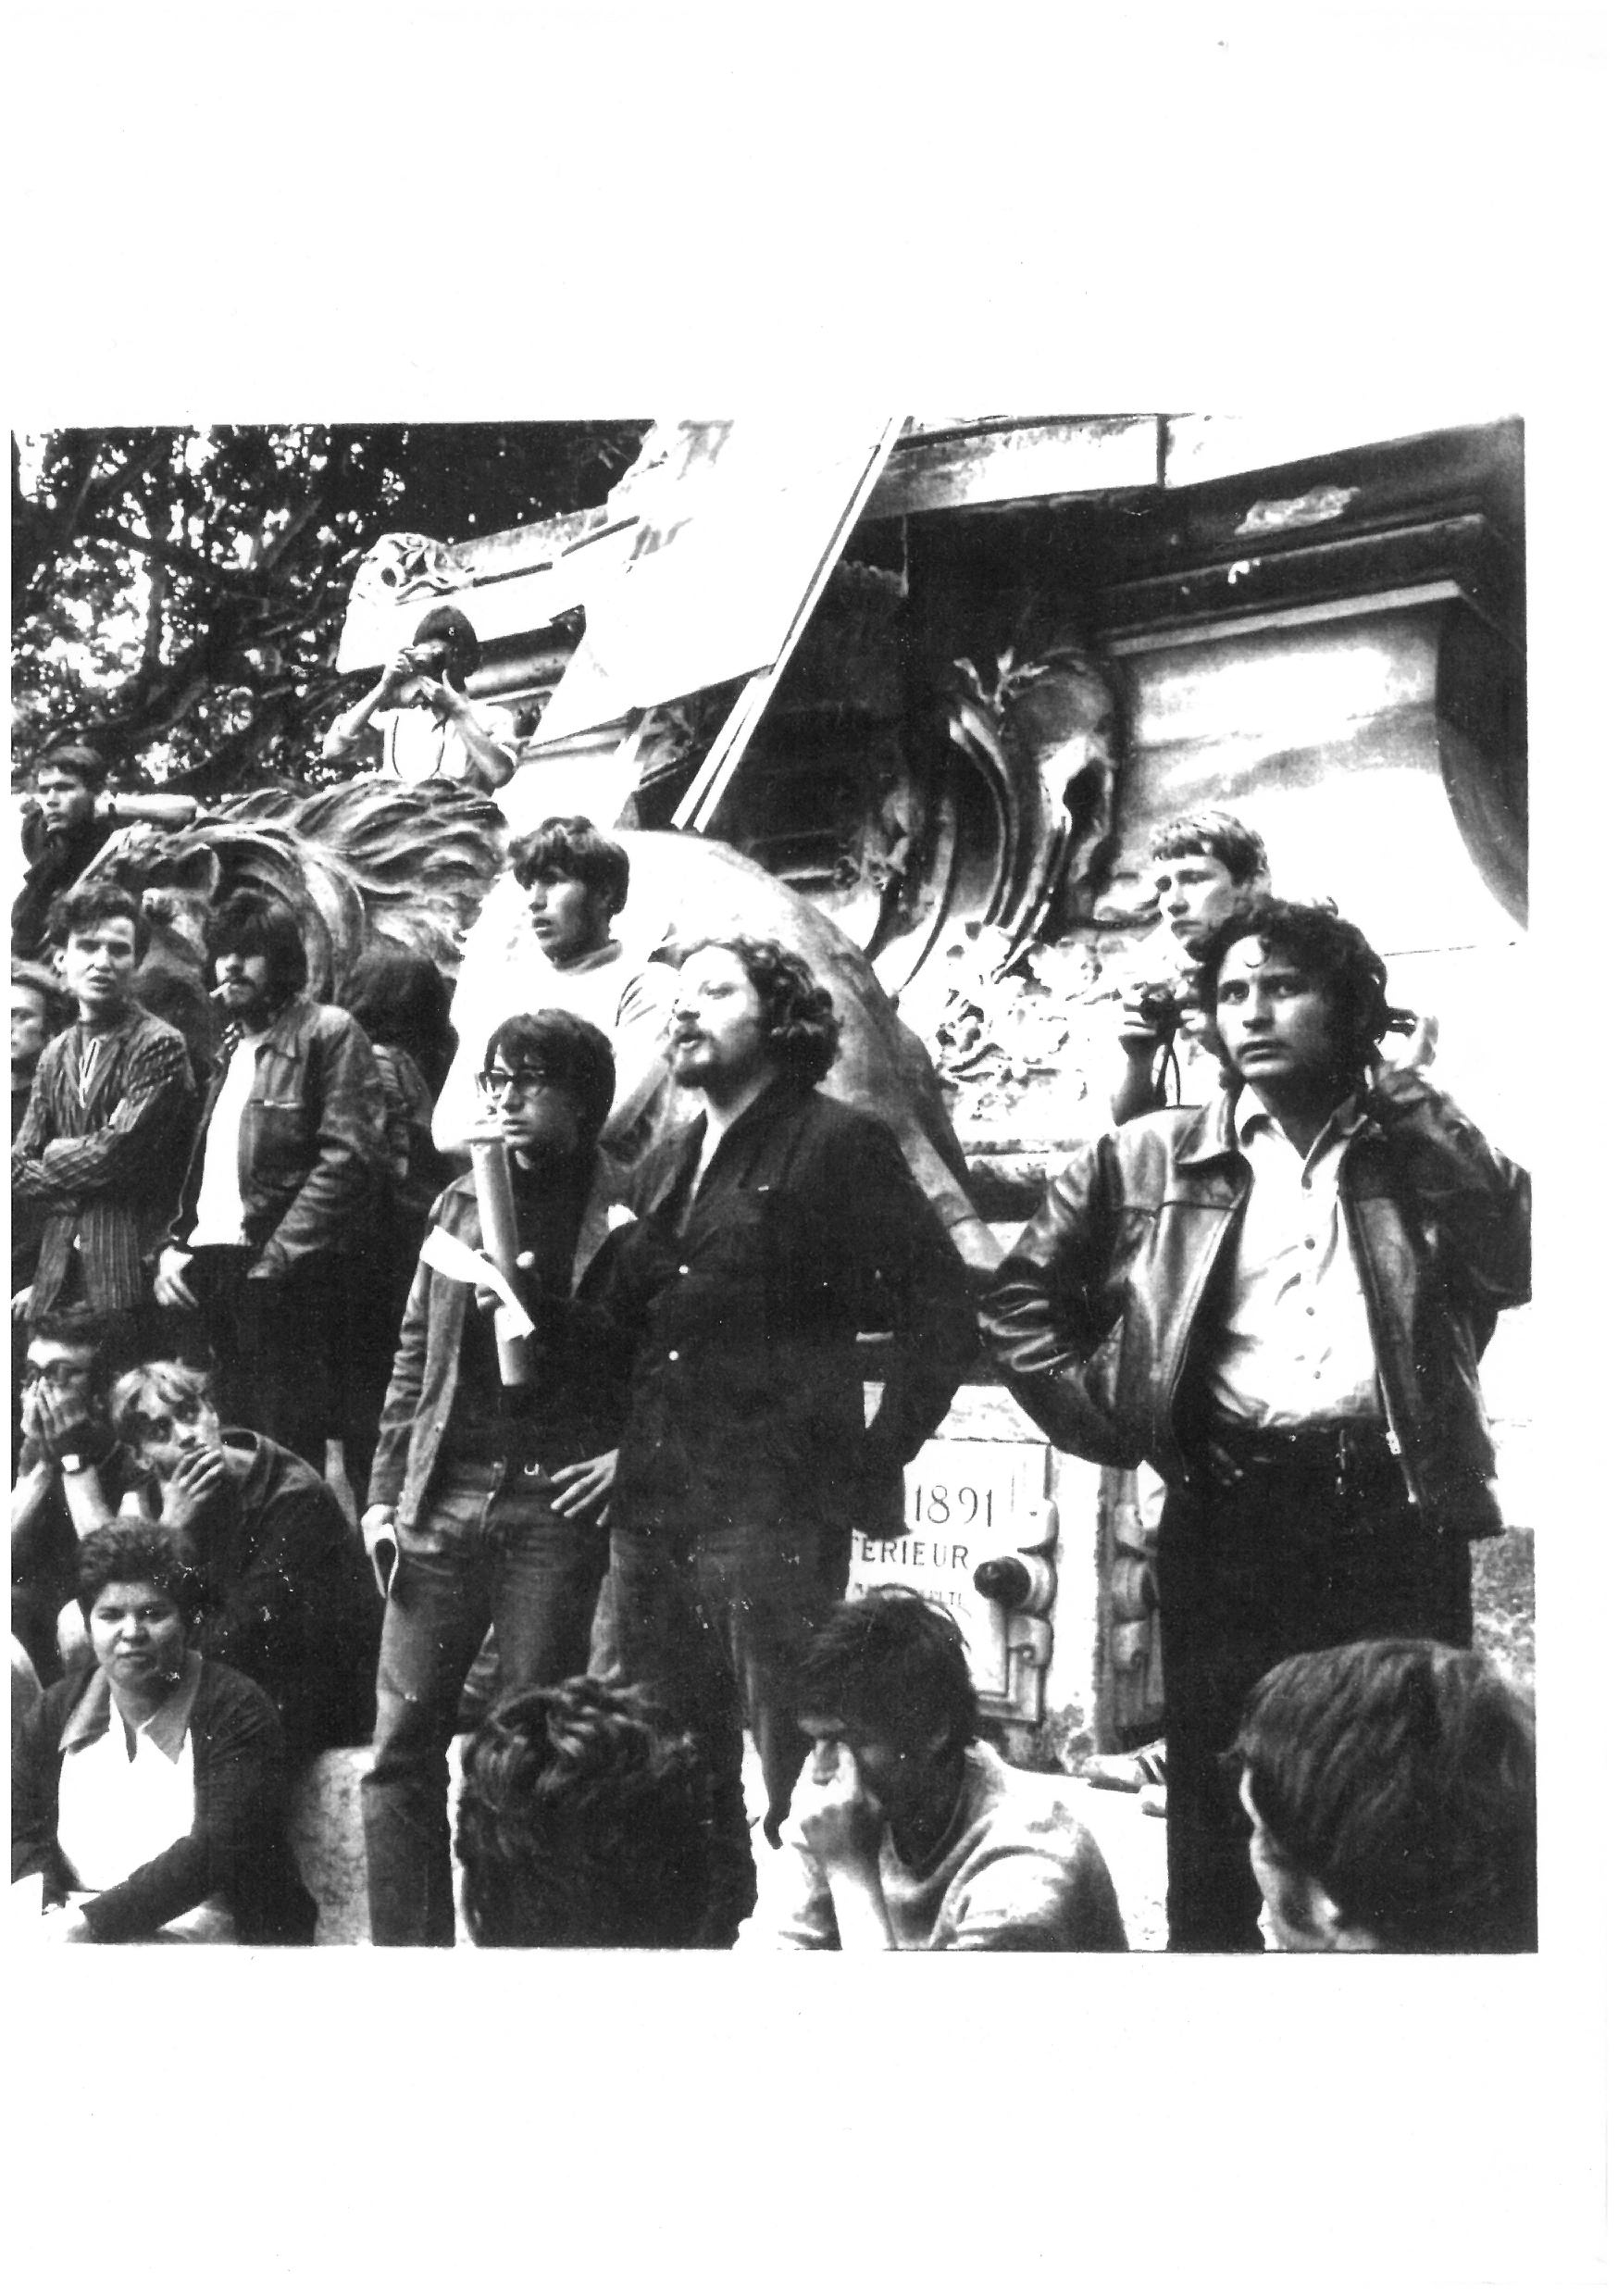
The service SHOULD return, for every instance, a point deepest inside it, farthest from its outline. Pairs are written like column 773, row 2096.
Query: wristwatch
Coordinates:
column 73, row 1463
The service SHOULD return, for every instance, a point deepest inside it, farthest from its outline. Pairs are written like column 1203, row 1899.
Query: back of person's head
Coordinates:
column 254, row 924
column 84, row 907
column 56, row 1004
column 1335, row 954
column 569, row 845
column 799, row 1018
column 130, row 1554
column 574, row 1051
column 1398, row 1779
column 447, row 627
column 895, row 1662
column 583, row 1820
column 399, row 997
column 78, row 762
column 1219, row 835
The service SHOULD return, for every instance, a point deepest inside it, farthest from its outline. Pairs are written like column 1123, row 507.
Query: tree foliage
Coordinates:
column 178, row 595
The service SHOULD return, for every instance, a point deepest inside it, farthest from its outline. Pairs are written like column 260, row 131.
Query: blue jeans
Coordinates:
column 492, row 1552
column 714, row 1628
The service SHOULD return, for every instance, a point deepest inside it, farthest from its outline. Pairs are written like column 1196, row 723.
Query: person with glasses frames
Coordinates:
column 488, row 1503
column 73, row 1474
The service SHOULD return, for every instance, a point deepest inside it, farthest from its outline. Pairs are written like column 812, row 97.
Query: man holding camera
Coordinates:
column 1206, row 864
column 430, row 730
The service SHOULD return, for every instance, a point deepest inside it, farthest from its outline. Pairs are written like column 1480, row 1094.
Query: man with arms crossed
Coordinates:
column 1279, row 1300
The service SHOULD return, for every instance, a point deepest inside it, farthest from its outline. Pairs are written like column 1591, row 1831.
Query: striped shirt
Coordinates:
column 101, row 1151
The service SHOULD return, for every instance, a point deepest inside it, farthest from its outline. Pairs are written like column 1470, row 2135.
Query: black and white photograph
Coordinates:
column 657, row 1058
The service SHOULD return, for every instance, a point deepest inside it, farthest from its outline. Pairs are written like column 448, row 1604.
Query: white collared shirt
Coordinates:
column 1295, row 1343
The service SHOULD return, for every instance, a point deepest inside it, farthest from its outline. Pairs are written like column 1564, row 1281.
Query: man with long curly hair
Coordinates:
column 1279, row 1300
column 775, row 1228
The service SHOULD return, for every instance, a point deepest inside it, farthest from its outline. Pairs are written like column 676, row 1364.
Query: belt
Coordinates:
column 1346, row 1454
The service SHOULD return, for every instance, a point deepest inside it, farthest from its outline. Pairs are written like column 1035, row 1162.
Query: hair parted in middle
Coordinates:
column 895, row 1662
column 800, row 1026
column 252, row 924
column 1335, row 954
column 575, row 1048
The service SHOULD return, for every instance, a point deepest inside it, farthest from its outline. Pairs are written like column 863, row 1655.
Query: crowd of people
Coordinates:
column 324, row 1436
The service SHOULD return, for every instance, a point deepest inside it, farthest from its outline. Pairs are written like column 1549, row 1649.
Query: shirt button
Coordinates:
column 1309, row 1311
column 673, row 1354
column 685, row 1271
column 1309, row 1244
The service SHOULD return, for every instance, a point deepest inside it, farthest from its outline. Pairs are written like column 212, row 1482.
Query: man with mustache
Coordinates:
column 775, row 1228
column 276, row 1206
column 1279, row 1300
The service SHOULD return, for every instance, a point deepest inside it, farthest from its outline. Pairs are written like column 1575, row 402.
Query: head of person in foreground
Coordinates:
column 583, row 1820
column 1391, row 1791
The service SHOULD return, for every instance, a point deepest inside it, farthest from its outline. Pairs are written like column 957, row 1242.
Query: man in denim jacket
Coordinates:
column 277, row 1209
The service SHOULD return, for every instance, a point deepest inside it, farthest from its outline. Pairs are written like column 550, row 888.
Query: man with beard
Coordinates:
column 775, row 1228
column 275, row 1212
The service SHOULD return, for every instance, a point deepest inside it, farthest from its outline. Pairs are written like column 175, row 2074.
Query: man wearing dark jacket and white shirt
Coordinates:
column 1279, row 1300
column 277, row 1209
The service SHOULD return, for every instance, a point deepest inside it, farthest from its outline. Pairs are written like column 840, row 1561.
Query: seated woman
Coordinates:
column 146, row 1789
column 288, row 1597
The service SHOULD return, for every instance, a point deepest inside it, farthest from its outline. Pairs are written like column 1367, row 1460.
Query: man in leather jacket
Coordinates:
column 1279, row 1300
column 278, row 1205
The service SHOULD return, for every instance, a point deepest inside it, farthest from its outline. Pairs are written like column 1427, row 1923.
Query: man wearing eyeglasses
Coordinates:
column 71, row 1474
column 488, row 1501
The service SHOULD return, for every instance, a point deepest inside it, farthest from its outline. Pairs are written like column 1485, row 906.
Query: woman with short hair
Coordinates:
column 146, row 1789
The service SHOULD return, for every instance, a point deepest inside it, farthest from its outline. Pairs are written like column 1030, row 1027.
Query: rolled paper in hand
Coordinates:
column 497, row 1216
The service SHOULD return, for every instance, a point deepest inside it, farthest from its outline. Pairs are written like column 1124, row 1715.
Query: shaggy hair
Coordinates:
column 1399, row 1776
column 896, row 1664
column 584, row 1820
column 1335, row 955
column 574, row 1049
column 130, row 1554
column 400, row 998
column 154, row 1389
column 82, row 907
column 801, row 1026
column 251, row 924
column 1219, row 835
column 567, row 844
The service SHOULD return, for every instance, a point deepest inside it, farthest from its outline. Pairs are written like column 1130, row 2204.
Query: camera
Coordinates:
column 1161, row 1009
